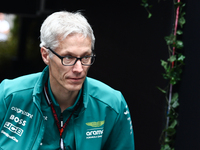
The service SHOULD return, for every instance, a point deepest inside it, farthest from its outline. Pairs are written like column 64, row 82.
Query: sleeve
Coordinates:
column 3, row 107
column 122, row 136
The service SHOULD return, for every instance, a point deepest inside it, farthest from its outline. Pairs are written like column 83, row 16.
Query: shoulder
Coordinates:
column 94, row 82
column 105, row 94
column 22, row 83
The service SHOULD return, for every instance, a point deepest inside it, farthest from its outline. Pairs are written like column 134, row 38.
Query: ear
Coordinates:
column 45, row 55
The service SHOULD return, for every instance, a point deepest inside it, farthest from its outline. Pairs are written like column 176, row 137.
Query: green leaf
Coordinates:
column 173, row 124
column 173, row 81
column 149, row 16
column 146, row 5
column 178, row 4
column 164, row 64
column 183, row 13
column 179, row 44
column 170, row 131
column 183, row 5
column 182, row 21
column 174, row 97
column 172, row 114
column 163, row 91
column 175, row 104
column 181, row 57
column 174, row 101
column 166, row 76
column 172, row 58
column 166, row 140
column 175, row 75
column 179, row 32
column 170, row 39
column 165, row 147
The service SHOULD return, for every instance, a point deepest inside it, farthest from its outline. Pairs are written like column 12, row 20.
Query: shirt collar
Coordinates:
column 39, row 87
column 55, row 103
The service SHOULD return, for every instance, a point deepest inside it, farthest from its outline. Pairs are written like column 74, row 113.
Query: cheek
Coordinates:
column 86, row 69
column 64, row 72
column 57, row 71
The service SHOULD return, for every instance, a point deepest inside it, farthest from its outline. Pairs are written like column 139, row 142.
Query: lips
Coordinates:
column 76, row 79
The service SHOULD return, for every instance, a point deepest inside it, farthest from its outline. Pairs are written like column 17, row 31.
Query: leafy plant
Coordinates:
column 147, row 7
column 173, row 69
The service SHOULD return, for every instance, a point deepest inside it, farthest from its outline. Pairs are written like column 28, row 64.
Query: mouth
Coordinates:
column 76, row 79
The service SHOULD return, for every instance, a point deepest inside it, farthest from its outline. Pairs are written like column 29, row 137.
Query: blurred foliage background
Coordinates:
column 21, row 46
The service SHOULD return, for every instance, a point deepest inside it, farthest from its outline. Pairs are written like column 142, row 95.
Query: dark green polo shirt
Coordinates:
column 51, row 138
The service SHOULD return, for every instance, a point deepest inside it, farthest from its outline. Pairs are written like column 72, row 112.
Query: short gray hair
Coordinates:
column 61, row 24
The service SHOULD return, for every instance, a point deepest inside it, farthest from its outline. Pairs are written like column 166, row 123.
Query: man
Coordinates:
column 62, row 108
column 4, row 28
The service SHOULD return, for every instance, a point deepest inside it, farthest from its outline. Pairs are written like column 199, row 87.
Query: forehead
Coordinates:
column 75, row 43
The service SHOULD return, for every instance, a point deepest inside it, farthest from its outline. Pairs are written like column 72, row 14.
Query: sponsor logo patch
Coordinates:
column 13, row 128
column 95, row 124
column 127, row 114
column 96, row 131
column 11, row 137
column 23, row 112
column 17, row 120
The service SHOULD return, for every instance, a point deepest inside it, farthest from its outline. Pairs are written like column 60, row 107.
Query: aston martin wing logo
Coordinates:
column 95, row 124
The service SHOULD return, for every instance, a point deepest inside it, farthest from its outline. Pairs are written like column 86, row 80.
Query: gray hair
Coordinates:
column 61, row 24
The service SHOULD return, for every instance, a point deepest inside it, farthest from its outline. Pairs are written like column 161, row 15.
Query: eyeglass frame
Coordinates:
column 77, row 58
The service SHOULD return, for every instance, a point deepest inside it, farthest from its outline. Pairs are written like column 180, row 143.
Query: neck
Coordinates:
column 64, row 98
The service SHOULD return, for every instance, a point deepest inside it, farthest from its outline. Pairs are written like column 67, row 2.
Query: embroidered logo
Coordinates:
column 95, row 124
column 13, row 128
column 11, row 137
column 127, row 114
column 23, row 112
column 96, row 131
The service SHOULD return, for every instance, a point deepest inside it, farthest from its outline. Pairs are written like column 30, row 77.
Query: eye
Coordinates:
column 69, row 57
column 86, row 57
column 69, row 60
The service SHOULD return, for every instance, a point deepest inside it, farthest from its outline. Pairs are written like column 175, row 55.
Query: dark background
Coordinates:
column 129, row 47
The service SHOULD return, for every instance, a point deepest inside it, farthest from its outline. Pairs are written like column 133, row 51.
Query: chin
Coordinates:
column 74, row 88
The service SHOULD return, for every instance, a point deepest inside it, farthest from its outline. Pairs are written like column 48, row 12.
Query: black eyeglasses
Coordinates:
column 71, row 60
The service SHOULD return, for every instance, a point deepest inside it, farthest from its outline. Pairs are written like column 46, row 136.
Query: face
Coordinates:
column 1, row 16
column 68, row 78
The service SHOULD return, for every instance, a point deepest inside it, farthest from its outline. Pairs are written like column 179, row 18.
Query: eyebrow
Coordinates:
column 71, row 53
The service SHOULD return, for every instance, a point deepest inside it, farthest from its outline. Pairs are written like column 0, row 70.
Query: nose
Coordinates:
column 78, row 67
